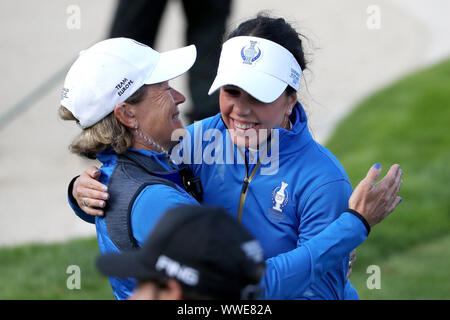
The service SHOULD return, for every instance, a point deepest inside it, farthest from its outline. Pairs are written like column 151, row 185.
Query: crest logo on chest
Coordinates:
column 280, row 198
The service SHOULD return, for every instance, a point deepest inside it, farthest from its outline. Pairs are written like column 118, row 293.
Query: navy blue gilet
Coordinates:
column 133, row 173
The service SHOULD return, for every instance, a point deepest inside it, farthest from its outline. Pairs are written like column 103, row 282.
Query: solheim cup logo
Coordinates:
column 280, row 196
column 251, row 53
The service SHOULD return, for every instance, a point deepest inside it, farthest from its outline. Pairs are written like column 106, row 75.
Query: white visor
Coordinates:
column 259, row 66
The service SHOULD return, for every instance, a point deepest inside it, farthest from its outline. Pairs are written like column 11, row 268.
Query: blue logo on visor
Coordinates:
column 250, row 53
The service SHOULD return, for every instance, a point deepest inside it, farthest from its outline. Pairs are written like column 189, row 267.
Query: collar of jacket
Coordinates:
column 291, row 141
column 108, row 156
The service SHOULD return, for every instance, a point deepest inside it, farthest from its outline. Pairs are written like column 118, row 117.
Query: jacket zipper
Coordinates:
column 243, row 192
column 248, row 179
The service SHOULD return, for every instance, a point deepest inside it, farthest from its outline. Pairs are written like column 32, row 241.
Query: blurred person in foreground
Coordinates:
column 193, row 253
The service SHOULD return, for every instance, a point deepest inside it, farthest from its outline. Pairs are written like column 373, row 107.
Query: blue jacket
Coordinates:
column 142, row 219
column 305, row 240
column 316, row 190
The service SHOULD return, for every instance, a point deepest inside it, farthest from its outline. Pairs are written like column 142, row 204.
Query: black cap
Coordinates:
column 204, row 248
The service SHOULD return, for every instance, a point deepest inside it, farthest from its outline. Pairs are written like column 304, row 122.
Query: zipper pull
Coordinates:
column 245, row 186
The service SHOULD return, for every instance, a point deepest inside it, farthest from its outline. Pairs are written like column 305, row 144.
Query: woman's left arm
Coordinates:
column 324, row 205
column 321, row 208
column 289, row 274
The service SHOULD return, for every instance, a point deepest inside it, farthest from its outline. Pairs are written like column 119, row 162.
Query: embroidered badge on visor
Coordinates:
column 251, row 53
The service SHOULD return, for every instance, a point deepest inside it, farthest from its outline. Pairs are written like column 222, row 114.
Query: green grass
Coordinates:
column 407, row 123
column 421, row 272
column 39, row 271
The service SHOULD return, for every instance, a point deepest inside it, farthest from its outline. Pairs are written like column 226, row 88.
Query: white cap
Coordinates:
column 110, row 71
column 259, row 66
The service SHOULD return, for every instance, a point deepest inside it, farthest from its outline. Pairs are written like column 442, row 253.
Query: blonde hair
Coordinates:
column 108, row 133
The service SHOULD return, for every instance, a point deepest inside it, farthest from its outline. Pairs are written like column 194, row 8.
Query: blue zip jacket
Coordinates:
column 304, row 243
column 313, row 190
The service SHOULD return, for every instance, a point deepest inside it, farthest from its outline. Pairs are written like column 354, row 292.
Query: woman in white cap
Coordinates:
column 118, row 92
column 258, row 160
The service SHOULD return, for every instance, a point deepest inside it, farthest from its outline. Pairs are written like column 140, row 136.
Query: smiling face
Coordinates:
column 157, row 115
column 248, row 120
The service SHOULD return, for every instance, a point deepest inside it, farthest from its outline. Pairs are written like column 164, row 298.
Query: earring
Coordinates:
column 290, row 110
column 286, row 123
